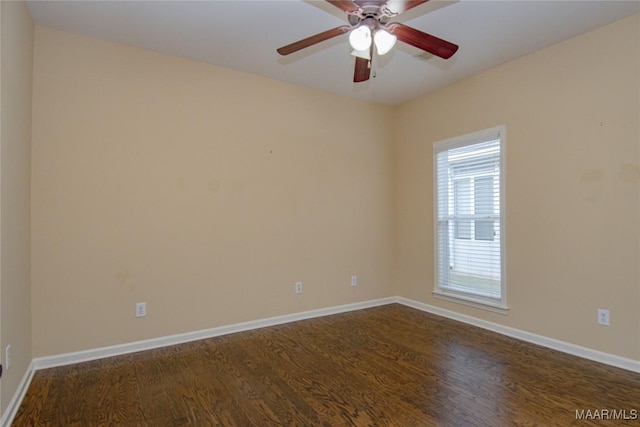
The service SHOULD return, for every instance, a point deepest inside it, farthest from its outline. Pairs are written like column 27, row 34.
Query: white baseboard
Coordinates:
column 99, row 353
column 103, row 352
column 11, row 411
column 565, row 347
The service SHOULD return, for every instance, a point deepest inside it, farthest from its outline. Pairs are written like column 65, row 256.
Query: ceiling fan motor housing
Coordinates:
column 379, row 13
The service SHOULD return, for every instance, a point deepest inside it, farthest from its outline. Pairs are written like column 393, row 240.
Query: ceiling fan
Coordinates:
column 369, row 26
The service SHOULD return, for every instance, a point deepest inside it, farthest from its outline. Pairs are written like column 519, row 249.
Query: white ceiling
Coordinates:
column 243, row 35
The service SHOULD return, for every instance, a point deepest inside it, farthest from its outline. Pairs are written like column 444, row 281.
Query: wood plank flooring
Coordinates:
column 384, row 366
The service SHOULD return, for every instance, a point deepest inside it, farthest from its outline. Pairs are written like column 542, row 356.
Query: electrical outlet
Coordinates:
column 141, row 309
column 298, row 288
column 603, row 317
column 354, row 280
column 7, row 357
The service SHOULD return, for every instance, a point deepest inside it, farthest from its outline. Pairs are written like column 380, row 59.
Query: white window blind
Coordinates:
column 468, row 199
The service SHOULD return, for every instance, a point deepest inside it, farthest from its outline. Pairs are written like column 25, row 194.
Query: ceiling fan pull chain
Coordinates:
column 374, row 67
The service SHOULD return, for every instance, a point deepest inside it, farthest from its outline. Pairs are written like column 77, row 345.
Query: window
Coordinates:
column 485, row 195
column 461, row 207
column 469, row 177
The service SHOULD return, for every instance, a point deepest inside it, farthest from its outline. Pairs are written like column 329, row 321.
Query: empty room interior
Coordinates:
column 306, row 253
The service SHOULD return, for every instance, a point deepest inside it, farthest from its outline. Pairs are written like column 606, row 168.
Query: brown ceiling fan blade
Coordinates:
column 310, row 41
column 345, row 5
column 400, row 6
column 362, row 71
column 424, row 41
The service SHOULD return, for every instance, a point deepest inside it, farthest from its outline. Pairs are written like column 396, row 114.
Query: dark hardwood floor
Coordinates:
column 384, row 366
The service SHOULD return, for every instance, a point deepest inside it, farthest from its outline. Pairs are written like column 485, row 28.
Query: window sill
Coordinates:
column 472, row 302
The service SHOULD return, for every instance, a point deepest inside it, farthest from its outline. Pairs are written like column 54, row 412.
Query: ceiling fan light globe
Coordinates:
column 384, row 41
column 360, row 38
column 364, row 54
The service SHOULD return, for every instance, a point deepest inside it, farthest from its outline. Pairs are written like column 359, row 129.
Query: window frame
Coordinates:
column 498, row 305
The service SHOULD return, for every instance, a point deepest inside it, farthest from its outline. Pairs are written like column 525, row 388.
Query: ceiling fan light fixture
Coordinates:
column 384, row 41
column 360, row 38
column 369, row 24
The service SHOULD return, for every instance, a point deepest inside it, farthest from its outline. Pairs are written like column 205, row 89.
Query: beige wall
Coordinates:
column 15, row 311
column 572, row 175
column 207, row 193
column 203, row 191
